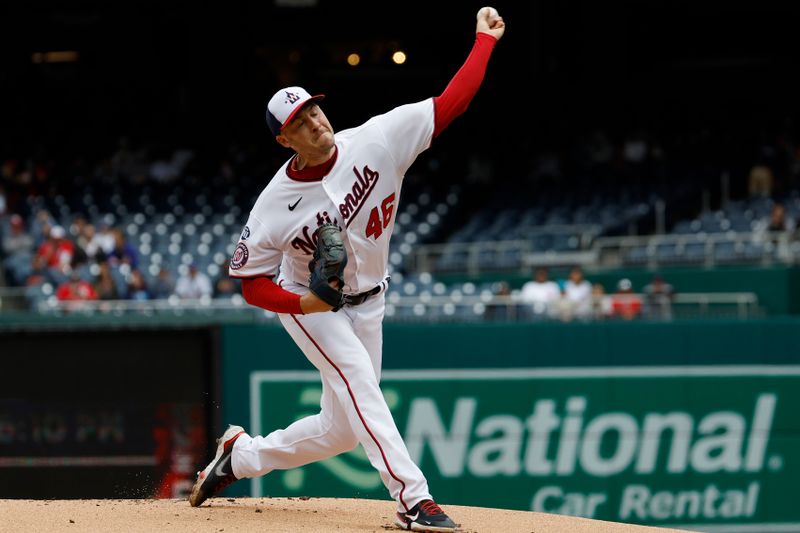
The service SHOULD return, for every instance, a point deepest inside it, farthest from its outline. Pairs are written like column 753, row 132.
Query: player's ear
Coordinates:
column 283, row 141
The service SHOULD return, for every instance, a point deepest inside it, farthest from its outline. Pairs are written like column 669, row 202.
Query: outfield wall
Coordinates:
column 655, row 423
column 682, row 423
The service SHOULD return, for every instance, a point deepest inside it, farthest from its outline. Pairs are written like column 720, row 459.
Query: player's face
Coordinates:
column 309, row 131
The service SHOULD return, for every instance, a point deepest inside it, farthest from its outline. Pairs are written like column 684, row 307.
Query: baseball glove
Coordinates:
column 327, row 265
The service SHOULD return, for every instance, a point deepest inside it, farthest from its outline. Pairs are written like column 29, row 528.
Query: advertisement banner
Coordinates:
column 694, row 446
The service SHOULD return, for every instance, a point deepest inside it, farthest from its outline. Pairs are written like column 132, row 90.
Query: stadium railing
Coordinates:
column 764, row 248
column 427, row 308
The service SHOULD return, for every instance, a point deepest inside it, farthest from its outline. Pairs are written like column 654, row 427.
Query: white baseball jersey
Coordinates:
column 360, row 194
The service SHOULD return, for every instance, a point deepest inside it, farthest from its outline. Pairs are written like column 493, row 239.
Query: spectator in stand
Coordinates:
column 625, row 303
column 777, row 229
column 137, row 286
column 75, row 289
column 17, row 251
column 123, row 252
column 43, row 222
column 502, row 309
column 541, row 293
column 105, row 286
column 79, row 229
column 578, row 295
column 658, row 296
column 601, row 302
column 193, row 285
column 778, row 220
column 225, row 284
column 56, row 254
column 105, row 241
column 79, row 257
column 38, row 273
column 90, row 242
column 76, row 227
column 164, row 285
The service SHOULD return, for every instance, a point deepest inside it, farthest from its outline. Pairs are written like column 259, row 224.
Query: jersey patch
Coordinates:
column 245, row 234
column 240, row 256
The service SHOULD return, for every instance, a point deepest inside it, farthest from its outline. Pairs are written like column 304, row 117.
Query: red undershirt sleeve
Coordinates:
column 462, row 88
column 264, row 293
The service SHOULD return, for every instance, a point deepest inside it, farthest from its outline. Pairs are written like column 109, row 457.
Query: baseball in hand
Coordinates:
column 492, row 12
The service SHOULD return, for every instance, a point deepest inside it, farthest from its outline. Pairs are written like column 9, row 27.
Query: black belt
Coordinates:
column 361, row 297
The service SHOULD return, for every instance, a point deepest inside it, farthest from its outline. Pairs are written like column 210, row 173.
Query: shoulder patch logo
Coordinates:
column 245, row 233
column 240, row 256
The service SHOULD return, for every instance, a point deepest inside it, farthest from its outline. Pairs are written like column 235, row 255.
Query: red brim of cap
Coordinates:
column 290, row 118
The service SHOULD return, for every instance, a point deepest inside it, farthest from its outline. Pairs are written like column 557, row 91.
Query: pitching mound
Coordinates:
column 285, row 515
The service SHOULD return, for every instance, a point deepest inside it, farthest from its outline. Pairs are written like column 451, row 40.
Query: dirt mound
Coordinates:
column 261, row 515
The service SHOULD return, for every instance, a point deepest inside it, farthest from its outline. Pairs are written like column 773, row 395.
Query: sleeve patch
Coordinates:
column 240, row 256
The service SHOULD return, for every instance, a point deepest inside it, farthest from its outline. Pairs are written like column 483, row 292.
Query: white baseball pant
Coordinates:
column 346, row 348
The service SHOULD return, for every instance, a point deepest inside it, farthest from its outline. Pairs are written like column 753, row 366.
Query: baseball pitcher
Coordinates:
column 314, row 250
